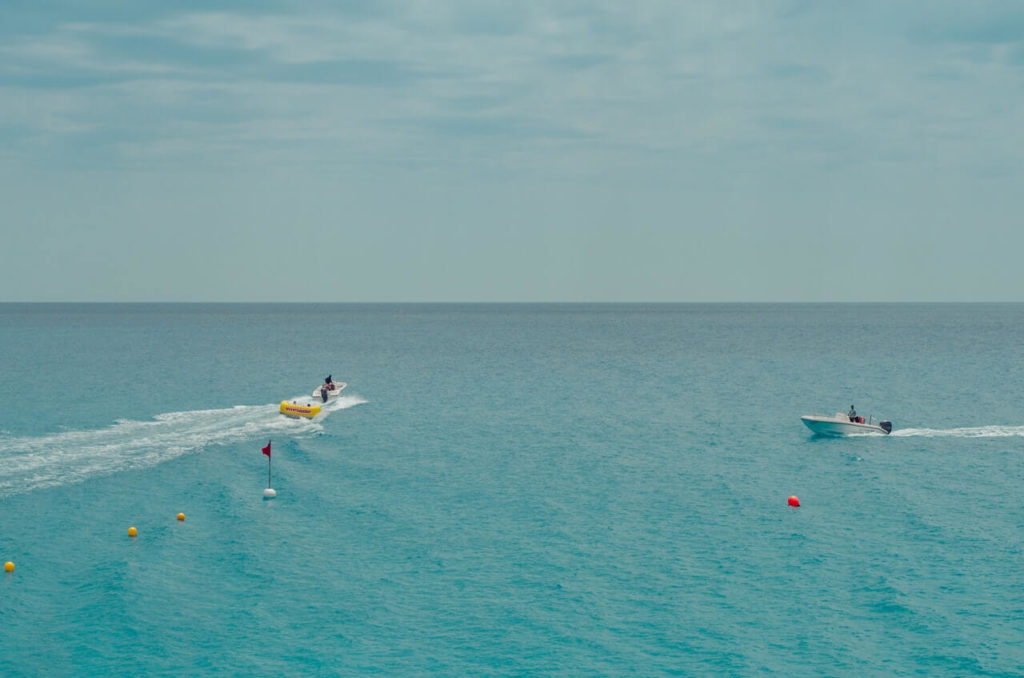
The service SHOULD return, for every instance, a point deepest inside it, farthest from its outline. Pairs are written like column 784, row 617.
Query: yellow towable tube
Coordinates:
column 296, row 410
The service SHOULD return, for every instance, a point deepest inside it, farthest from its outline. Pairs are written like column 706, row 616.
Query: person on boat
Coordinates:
column 852, row 414
column 329, row 384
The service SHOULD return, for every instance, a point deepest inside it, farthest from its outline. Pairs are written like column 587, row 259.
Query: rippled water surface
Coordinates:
column 511, row 489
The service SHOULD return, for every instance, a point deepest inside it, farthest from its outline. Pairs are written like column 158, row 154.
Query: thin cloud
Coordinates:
column 785, row 78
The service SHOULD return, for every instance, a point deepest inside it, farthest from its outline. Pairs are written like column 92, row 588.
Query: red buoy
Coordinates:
column 793, row 501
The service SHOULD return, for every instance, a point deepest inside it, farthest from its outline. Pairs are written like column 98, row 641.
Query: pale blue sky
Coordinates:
column 512, row 151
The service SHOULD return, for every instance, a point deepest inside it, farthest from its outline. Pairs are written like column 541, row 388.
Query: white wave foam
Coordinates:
column 967, row 432
column 72, row 456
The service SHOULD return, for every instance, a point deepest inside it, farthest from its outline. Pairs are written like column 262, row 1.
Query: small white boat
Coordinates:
column 842, row 425
column 324, row 393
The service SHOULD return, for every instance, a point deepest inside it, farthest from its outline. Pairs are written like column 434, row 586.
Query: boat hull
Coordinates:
column 334, row 393
column 841, row 426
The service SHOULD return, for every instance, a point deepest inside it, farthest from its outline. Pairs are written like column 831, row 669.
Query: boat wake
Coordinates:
column 31, row 463
column 968, row 432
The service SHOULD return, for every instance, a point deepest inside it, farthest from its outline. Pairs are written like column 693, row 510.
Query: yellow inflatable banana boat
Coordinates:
column 296, row 410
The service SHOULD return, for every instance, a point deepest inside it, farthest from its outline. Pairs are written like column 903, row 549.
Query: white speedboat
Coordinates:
column 324, row 391
column 841, row 424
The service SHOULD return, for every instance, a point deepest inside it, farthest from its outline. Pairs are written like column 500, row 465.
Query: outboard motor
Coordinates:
column 323, row 393
column 886, row 426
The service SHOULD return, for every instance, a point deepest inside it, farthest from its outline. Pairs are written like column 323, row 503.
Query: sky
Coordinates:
column 495, row 151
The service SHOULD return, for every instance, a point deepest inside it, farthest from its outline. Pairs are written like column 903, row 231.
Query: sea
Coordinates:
column 511, row 489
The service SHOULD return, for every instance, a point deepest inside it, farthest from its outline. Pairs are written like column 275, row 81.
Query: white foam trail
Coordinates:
column 968, row 432
column 72, row 456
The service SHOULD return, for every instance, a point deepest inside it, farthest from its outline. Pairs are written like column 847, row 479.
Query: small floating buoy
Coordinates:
column 269, row 493
column 132, row 531
column 794, row 501
column 181, row 516
column 8, row 566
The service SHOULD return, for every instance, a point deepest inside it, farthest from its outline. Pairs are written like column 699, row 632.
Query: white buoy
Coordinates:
column 268, row 493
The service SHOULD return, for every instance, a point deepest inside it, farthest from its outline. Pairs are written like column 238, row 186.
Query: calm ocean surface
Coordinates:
column 511, row 489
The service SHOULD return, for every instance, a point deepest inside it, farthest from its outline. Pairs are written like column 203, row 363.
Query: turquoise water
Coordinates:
column 511, row 489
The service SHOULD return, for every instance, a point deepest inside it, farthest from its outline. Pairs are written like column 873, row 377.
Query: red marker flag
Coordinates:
column 266, row 450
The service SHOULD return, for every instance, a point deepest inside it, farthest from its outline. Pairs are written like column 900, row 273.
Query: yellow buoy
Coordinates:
column 8, row 566
column 181, row 516
column 132, row 531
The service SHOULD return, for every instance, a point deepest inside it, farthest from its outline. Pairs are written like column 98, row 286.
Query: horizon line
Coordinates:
column 507, row 303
